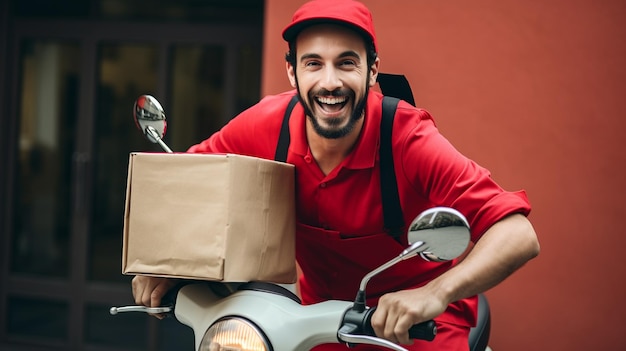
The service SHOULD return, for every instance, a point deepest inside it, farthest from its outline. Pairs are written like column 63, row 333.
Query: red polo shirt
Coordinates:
column 340, row 234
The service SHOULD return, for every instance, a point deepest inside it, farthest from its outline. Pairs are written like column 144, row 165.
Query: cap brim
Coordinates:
column 291, row 32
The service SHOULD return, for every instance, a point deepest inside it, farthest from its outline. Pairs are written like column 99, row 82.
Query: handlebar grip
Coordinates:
column 423, row 331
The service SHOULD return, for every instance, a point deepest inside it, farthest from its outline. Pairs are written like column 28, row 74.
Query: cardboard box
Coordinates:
column 210, row 217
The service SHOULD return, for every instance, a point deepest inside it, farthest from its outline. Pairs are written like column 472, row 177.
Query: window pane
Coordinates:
column 125, row 72
column 197, row 104
column 43, row 319
column 248, row 77
column 49, row 89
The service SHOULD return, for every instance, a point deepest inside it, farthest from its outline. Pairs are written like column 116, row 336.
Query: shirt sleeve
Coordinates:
column 254, row 132
column 447, row 178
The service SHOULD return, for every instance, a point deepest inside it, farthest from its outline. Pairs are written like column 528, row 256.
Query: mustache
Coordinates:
column 334, row 93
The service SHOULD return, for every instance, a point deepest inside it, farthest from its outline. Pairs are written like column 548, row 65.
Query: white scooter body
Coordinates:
column 282, row 318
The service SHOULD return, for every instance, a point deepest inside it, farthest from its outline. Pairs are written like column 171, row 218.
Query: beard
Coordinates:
column 333, row 132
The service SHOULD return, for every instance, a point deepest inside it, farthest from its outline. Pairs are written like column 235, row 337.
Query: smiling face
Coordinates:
column 333, row 78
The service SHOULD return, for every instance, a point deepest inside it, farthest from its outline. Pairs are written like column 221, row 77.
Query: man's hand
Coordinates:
column 398, row 311
column 148, row 291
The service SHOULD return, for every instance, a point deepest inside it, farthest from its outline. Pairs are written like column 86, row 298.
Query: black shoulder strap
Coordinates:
column 284, row 139
column 392, row 211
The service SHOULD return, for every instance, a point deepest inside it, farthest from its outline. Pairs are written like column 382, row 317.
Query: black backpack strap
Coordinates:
column 284, row 139
column 392, row 211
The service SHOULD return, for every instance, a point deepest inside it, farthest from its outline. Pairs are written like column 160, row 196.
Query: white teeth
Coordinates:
column 331, row 100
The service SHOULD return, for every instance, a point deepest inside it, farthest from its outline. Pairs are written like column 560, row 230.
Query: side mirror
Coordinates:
column 444, row 232
column 150, row 119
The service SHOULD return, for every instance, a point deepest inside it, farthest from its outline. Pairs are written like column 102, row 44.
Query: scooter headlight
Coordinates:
column 234, row 334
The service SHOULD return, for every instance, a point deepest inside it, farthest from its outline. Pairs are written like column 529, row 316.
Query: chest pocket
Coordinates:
column 335, row 265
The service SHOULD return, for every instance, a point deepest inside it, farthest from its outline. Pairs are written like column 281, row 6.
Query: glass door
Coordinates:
column 76, row 83
column 41, row 245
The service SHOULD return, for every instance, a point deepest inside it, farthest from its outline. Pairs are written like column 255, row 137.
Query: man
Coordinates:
column 335, row 136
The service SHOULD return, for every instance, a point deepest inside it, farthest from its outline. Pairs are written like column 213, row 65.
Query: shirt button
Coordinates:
column 323, row 185
column 307, row 159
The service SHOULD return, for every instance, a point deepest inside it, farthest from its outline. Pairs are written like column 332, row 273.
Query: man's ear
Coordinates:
column 291, row 74
column 374, row 72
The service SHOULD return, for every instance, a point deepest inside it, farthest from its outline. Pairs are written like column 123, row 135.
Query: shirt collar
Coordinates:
column 365, row 152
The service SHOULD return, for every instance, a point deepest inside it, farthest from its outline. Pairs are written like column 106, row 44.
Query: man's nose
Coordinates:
column 331, row 79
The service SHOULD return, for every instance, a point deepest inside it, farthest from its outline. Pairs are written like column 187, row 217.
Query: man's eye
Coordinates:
column 312, row 64
column 348, row 63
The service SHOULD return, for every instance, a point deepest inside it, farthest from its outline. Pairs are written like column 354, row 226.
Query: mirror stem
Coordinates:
column 360, row 300
column 408, row 253
column 152, row 133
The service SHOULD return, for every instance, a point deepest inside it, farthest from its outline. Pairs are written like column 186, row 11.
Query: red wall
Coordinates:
column 534, row 91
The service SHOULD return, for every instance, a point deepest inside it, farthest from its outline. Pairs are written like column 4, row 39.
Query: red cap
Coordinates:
column 347, row 12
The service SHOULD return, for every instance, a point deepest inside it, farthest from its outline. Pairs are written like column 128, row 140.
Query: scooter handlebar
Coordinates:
column 423, row 331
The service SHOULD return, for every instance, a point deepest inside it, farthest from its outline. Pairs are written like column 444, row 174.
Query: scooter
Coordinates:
column 266, row 316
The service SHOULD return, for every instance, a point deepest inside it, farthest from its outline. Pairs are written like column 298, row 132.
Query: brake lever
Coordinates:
column 168, row 300
column 344, row 335
column 151, row 310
